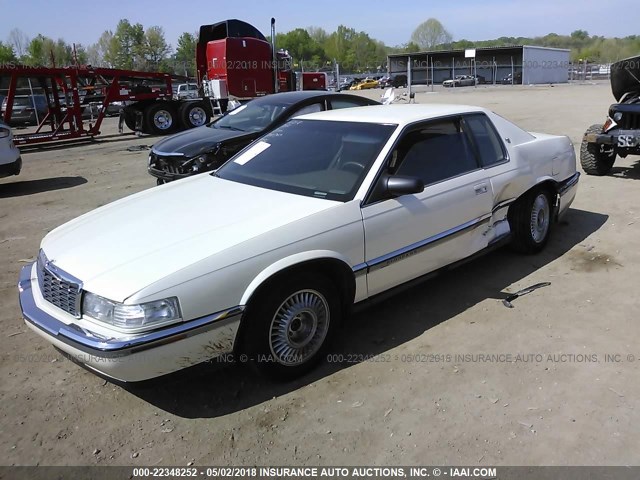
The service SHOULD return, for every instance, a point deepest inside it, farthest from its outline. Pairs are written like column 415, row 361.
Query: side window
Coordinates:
column 486, row 139
column 314, row 107
column 338, row 104
column 435, row 152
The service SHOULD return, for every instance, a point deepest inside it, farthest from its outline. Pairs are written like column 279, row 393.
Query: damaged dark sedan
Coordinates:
column 206, row 148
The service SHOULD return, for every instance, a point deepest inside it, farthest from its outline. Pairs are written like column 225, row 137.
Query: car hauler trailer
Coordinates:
column 234, row 61
column 69, row 91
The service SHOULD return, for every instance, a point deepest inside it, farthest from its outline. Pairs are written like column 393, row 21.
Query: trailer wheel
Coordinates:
column 160, row 118
column 194, row 114
column 130, row 118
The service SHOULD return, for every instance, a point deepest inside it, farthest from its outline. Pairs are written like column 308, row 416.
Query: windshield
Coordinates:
column 252, row 117
column 321, row 159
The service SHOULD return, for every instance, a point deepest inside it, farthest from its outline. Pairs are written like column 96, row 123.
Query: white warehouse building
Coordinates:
column 529, row 64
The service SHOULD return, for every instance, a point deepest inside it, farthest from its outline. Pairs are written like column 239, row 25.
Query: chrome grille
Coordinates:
column 58, row 288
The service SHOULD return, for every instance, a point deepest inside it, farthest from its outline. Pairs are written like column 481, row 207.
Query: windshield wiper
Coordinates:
column 229, row 127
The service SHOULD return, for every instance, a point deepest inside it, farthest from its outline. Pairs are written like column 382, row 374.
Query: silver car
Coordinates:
column 10, row 160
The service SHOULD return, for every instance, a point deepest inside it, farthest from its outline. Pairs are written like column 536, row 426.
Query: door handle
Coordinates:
column 480, row 189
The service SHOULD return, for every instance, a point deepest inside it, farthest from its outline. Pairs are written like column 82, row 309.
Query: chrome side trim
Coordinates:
column 415, row 248
column 567, row 184
column 504, row 203
column 91, row 343
column 360, row 269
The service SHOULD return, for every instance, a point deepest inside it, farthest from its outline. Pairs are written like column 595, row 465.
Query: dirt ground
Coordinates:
column 413, row 387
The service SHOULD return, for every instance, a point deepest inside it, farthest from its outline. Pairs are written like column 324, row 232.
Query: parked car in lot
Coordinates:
column 396, row 81
column 365, row 84
column 206, row 148
column 460, row 81
column 511, row 79
column 326, row 211
column 185, row 91
column 27, row 109
column 10, row 160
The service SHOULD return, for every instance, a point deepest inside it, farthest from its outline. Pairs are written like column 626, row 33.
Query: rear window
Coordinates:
column 486, row 139
column 22, row 102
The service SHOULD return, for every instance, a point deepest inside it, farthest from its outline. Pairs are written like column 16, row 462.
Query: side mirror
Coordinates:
column 398, row 185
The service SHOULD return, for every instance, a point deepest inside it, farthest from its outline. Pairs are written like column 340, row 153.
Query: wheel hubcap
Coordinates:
column 540, row 218
column 299, row 327
column 163, row 119
column 197, row 117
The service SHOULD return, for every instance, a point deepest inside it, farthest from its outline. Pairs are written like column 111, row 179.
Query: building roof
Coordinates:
column 477, row 49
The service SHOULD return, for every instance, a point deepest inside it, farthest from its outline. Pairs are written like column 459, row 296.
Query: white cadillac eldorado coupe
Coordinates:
column 326, row 211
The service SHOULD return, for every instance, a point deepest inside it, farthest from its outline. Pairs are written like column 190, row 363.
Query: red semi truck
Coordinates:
column 234, row 61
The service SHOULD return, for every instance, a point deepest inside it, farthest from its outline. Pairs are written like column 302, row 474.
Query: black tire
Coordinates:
column 596, row 159
column 130, row 118
column 286, row 342
column 194, row 114
column 160, row 118
column 530, row 219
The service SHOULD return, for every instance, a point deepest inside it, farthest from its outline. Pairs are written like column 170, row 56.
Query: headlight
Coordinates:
column 132, row 318
column 617, row 116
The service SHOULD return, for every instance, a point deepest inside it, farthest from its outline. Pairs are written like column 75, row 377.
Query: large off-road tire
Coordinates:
column 530, row 220
column 289, row 325
column 160, row 118
column 596, row 159
column 193, row 114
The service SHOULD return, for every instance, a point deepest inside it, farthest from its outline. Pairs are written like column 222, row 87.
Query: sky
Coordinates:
column 391, row 22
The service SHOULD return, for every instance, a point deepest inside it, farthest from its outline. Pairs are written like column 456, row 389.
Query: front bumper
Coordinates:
column 612, row 138
column 13, row 168
column 134, row 358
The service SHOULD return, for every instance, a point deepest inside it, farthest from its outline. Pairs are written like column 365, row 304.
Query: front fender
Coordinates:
column 288, row 262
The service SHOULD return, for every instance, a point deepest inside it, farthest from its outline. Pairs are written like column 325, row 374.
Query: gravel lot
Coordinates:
column 560, row 403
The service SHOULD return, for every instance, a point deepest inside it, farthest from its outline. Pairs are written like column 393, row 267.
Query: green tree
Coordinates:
column 155, row 48
column 81, row 54
column 103, row 53
column 126, row 48
column 185, row 56
column 318, row 35
column 338, row 46
column 36, row 54
column 300, row 45
column 6, row 53
column 431, row 34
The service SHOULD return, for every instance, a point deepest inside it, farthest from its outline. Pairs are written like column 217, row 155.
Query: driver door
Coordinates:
column 411, row 235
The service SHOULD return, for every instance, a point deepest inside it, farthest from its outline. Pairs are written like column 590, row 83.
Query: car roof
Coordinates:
column 290, row 98
column 396, row 114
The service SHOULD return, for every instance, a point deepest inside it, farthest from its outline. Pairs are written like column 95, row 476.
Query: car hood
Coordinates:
column 125, row 246
column 625, row 77
column 196, row 141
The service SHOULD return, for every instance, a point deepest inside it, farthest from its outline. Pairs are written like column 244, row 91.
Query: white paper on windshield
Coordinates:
column 253, row 152
column 237, row 110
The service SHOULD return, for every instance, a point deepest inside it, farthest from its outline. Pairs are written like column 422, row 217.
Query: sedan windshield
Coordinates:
column 252, row 117
column 321, row 159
